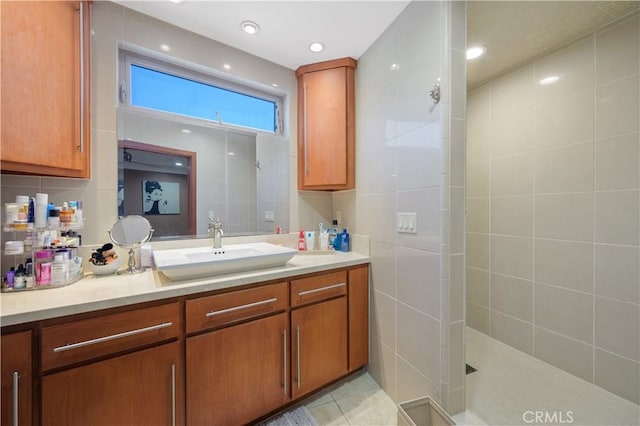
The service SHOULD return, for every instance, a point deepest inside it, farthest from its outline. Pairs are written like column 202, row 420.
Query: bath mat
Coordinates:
column 298, row 416
column 470, row 369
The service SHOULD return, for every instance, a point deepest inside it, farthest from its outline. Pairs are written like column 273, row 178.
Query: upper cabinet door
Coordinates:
column 45, row 88
column 326, row 127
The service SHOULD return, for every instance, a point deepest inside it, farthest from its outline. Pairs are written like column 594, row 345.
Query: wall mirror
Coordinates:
column 176, row 171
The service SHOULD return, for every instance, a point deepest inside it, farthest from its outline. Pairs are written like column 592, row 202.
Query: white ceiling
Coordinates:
column 346, row 28
column 514, row 32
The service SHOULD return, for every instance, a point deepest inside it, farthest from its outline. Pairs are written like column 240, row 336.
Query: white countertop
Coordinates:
column 94, row 293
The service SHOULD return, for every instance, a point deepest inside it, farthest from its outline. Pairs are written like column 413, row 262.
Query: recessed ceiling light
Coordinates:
column 226, row 66
column 316, row 47
column 165, row 47
column 176, row 1
column 275, row 84
column 186, row 131
column 475, row 52
column 232, row 153
column 178, row 164
column 549, row 80
column 394, row 67
column 250, row 27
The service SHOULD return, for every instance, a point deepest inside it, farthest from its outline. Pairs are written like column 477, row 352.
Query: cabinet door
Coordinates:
column 238, row 374
column 141, row 388
column 16, row 379
column 324, row 127
column 319, row 344
column 45, row 128
column 358, row 317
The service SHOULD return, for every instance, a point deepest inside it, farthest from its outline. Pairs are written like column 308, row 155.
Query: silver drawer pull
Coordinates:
column 237, row 308
column 16, row 402
column 315, row 290
column 112, row 337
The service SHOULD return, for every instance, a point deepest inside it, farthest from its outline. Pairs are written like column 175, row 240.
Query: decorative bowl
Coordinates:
column 109, row 268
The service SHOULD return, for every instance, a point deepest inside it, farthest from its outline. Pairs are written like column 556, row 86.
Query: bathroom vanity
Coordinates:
column 139, row 349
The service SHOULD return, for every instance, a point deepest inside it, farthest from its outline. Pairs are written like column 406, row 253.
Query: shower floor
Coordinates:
column 512, row 388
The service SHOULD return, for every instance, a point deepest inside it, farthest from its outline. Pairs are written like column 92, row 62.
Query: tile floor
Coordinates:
column 508, row 384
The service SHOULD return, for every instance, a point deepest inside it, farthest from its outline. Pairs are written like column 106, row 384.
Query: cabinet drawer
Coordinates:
column 223, row 309
column 315, row 289
column 86, row 339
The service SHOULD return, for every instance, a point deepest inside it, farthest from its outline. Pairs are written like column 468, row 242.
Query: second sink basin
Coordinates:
column 201, row 262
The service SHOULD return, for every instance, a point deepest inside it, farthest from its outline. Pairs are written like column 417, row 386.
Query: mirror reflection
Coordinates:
column 178, row 173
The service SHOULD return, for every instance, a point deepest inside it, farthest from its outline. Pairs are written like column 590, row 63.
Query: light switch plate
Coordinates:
column 408, row 223
column 268, row 216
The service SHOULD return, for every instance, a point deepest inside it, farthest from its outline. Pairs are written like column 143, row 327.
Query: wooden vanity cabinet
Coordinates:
column 326, row 125
column 114, row 369
column 16, row 379
column 319, row 332
column 240, row 372
column 45, row 88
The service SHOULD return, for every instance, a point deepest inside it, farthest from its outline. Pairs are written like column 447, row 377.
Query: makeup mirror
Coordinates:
column 131, row 232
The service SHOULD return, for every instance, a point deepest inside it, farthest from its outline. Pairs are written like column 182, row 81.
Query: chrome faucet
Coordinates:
column 215, row 231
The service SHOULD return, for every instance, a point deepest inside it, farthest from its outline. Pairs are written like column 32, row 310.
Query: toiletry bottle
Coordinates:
column 31, row 216
column 20, row 281
column 344, row 240
column 334, row 240
column 54, row 219
column 11, row 276
column 301, row 246
column 66, row 214
column 60, row 270
column 41, row 210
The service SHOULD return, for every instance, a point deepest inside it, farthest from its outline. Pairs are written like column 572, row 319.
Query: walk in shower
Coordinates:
column 553, row 209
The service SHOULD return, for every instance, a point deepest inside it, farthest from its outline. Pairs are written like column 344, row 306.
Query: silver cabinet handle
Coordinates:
column 81, row 27
column 236, row 308
column 173, row 395
column 112, row 337
column 298, row 354
column 284, row 358
column 315, row 290
column 16, row 378
column 304, row 123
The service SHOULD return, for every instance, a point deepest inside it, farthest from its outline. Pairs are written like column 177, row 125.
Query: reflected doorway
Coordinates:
column 158, row 183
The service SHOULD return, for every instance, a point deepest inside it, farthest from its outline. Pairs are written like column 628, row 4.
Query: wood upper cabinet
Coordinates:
column 140, row 388
column 45, row 127
column 326, row 125
column 16, row 378
column 319, row 345
column 238, row 374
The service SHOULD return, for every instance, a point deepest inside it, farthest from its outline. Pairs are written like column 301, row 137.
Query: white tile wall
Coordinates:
column 553, row 242
column 410, row 156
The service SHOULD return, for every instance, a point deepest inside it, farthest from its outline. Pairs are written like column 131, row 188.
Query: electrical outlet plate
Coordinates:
column 268, row 216
column 408, row 223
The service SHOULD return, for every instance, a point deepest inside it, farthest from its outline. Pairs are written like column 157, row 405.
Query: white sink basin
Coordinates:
column 201, row 262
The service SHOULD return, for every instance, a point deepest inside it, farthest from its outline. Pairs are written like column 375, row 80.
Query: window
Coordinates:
column 161, row 86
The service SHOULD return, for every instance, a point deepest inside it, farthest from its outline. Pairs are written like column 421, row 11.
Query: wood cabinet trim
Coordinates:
column 325, row 65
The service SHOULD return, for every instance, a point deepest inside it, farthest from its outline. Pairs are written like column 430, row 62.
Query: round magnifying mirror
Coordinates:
column 131, row 232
